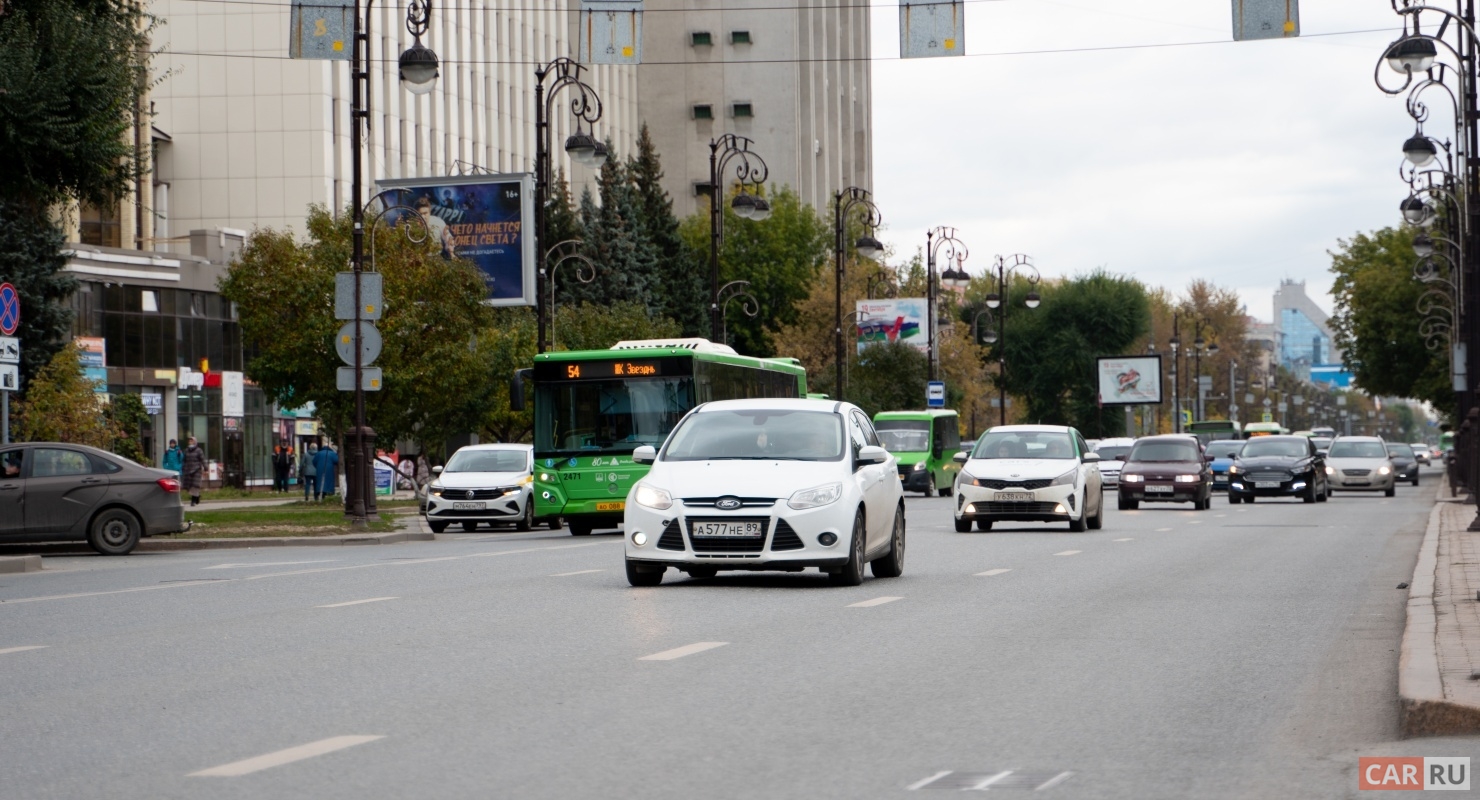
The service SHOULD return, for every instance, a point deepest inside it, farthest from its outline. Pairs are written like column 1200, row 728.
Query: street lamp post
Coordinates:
column 1005, row 266
column 749, row 306
column 867, row 247
column 1200, row 344
column 750, row 171
column 935, row 239
column 585, row 271
column 581, row 146
column 418, row 73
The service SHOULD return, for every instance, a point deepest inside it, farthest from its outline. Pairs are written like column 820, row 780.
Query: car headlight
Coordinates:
column 1330, row 470
column 1133, row 478
column 1188, row 478
column 1067, row 479
column 1233, row 469
column 816, row 496
column 653, row 497
column 435, row 489
column 1383, row 470
column 920, row 466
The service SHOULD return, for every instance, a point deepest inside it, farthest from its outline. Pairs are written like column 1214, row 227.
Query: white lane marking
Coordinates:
column 225, row 581
column 258, row 763
column 877, row 601
column 23, row 649
column 1126, row 539
column 357, row 602
column 1220, row 516
column 1054, row 781
column 989, row 573
column 1195, row 522
column 577, row 572
column 272, row 564
column 926, row 782
column 1162, row 530
column 1069, row 553
column 983, row 785
column 680, row 652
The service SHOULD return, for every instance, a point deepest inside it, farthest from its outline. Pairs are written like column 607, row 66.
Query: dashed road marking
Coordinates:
column 577, row 572
column 989, row 573
column 272, row 564
column 680, row 652
column 1220, row 516
column 991, row 780
column 358, row 602
column 1126, row 539
column 22, row 649
column 1195, row 522
column 258, row 763
column 1069, row 553
column 877, row 601
column 1162, row 530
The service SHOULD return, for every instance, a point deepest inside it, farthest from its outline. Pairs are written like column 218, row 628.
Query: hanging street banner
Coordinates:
column 1129, row 380
column 321, row 29
column 1265, row 19
column 932, row 29
column 481, row 219
column 896, row 320
column 611, row 32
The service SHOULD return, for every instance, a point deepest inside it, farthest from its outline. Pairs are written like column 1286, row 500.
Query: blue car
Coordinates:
column 1223, row 453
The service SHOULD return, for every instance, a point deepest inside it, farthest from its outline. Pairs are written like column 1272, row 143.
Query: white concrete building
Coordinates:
column 793, row 75
column 257, row 137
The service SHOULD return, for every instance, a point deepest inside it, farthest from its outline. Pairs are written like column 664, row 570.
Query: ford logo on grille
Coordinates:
column 727, row 503
column 471, row 494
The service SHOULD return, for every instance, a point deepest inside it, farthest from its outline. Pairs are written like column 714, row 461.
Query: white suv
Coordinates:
column 1029, row 473
column 767, row 484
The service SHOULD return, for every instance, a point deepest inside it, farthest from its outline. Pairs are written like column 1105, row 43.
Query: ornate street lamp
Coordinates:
column 751, row 172
column 866, row 247
column 935, row 239
column 1005, row 266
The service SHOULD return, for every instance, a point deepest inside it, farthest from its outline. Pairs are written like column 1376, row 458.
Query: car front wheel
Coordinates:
column 114, row 532
column 891, row 565
column 437, row 527
column 644, row 575
column 963, row 524
column 851, row 573
column 526, row 522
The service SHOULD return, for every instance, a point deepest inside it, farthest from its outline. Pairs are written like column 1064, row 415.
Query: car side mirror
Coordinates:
column 436, row 470
column 1121, row 457
column 646, row 454
column 961, row 457
column 1092, row 458
column 1208, row 457
column 872, row 454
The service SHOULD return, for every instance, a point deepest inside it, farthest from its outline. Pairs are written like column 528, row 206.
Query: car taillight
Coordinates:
column 169, row 484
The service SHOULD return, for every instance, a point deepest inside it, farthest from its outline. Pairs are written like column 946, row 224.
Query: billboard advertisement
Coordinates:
column 894, row 320
column 481, row 219
column 1129, row 380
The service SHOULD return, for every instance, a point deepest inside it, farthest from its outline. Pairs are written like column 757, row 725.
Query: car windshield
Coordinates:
column 1225, row 449
column 1024, row 444
column 1113, row 452
column 1164, row 451
column 758, row 435
column 1259, row 448
column 1357, row 450
column 488, row 461
column 1400, row 451
column 904, row 435
column 1321, row 442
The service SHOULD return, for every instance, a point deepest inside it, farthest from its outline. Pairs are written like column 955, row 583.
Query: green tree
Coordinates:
column 435, row 330
column 128, row 416
column 780, row 256
column 682, row 291
column 887, row 377
column 31, row 259
column 62, row 405
column 626, row 260
column 1377, row 319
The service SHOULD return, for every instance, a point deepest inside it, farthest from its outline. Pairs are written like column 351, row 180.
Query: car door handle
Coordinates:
column 92, row 480
column 9, row 487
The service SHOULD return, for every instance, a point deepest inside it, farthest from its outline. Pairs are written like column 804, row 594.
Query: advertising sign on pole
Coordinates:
column 480, row 219
column 153, row 403
column 898, row 320
column 1129, row 380
column 233, row 398
column 93, row 352
column 932, row 29
column 1265, row 19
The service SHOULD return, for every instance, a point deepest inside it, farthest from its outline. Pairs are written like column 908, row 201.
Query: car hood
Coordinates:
column 477, row 480
column 1357, row 463
column 1162, row 468
column 1222, row 464
column 779, row 479
column 1278, row 462
column 1019, row 468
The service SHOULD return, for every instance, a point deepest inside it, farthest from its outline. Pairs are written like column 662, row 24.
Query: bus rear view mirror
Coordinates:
column 516, row 388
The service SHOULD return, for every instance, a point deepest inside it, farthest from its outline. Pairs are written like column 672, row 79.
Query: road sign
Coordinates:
column 371, row 295
column 10, row 309
column 10, row 350
column 1283, row 407
column 935, row 394
column 10, row 378
column 370, row 343
column 370, row 379
column 932, row 29
column 1268, row 417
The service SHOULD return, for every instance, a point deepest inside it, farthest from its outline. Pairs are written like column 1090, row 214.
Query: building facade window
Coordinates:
column 740, row 37
column 739, row 110
column 704, row 111
column 701, row 39
column 1302, row 342
column 101, row 226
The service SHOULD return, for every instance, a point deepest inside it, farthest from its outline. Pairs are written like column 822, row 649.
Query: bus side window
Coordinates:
column 953, row 433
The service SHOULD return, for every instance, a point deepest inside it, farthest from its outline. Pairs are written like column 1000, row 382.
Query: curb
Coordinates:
column 1424, row 710
column 9, row 564
column 165, row 545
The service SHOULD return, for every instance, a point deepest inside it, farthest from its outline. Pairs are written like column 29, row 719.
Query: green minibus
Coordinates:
column 924, row 442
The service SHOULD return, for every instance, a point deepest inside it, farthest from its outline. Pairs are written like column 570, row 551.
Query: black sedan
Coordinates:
column 1405, row 463
column 1278, row 466
column 52, row 492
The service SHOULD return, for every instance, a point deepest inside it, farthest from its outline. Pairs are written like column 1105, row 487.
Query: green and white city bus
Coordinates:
column 592, row 408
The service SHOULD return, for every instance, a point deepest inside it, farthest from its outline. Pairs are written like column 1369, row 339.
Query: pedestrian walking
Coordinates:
column 282, row 461
column 327, row 464
column 174, row 458
column 193, row 469
column 308, row 474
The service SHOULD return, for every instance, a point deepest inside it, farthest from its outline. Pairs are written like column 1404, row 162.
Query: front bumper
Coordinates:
column 1220, row 481
column 1050, row 504
column 1357, row 483
column 914, row 480
column 788, row 541
column 1241, row 485
column 1109, row 480
column 1161, row 492
column 504, row 508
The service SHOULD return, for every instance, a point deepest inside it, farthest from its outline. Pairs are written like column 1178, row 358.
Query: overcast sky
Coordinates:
column 1242, row 163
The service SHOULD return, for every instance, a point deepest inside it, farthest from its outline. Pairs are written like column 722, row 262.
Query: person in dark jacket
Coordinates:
column 282, row 461
column 193, row 470
column 308, row 473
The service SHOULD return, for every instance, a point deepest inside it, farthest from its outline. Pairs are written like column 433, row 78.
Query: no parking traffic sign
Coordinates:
column 10, row 309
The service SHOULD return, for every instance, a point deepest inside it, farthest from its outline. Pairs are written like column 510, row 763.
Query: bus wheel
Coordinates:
column 580, row 528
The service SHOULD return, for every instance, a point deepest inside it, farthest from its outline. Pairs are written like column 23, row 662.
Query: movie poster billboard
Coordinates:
column 1129, row 380
column 893, row 320
column 485, row 219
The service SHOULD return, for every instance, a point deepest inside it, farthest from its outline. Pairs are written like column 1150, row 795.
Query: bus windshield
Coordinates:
column 904, row 435
column 609, row 416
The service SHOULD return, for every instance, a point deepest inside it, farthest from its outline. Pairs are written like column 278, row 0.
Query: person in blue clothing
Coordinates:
column 174, row 457
column 327, row 465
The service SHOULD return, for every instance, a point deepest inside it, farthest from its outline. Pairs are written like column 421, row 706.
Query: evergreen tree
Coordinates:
column 626, row 260
column 31, row 259
column 681, row 293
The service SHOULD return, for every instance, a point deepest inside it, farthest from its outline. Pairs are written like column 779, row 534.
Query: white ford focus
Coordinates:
column 767, row 484
column 1029, row 473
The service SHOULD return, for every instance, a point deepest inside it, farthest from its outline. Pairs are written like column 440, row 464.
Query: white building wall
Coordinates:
column 258, row 137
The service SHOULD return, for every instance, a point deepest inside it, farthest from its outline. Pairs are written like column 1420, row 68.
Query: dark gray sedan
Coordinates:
column 1405, row 463
column 53, row 492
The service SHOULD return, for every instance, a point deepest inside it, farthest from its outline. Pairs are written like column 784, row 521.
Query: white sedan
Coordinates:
column 483, row 483
column 767, row 484
column 1029, row 473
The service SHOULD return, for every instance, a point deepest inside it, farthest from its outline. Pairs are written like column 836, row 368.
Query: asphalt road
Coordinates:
column 1241, row 652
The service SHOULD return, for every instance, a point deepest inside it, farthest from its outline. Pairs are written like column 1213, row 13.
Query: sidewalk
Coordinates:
column 1441, row 643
